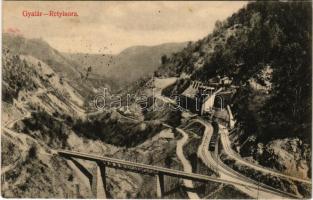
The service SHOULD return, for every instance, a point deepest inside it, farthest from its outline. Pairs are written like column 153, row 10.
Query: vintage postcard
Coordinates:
column 156, row 99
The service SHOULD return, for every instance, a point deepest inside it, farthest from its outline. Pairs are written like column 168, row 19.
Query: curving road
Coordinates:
column 210, row 159
column 226, row 174
column 227, row 177
column 203, row 152
column 11, row 123
column 186, row 164
column 229, row 151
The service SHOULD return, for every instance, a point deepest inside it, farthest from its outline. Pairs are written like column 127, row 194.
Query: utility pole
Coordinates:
column 258, row 188
column 216, row 152
column 216, row 163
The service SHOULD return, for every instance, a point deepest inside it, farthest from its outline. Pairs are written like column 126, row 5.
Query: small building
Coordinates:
column 209, row 101
column 225, row 117
column 225, row 97
column 231, row 123
column 221, row 115
column 214, row 82
column 198, row 98
column 189, row 99
column 218, row 81
column 225, row 81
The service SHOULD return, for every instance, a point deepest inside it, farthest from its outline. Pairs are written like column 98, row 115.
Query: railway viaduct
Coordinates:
column 98, row 178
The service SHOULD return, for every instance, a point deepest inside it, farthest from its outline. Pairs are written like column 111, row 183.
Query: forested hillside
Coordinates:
column 269, row 45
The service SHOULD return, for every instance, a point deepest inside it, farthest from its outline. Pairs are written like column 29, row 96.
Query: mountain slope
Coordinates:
column 30, row 84
column 129, row 65
column 265, row 48
column 67, row 69
column 42, row 112
column 262, row 45
column 37, row 105
column 42, row 51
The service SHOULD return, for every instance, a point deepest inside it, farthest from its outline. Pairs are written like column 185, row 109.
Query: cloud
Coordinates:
column 117, row 25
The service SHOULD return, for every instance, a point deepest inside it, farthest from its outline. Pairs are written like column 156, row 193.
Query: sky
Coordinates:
column 110, row 27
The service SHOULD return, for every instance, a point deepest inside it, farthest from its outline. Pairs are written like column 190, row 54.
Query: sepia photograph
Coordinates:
column 156, row 99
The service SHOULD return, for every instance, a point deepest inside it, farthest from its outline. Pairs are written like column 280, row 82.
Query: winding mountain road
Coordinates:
column 203, row 152
column 210, row 160
column 186, row 164
column 229, row 151
column 226, row 173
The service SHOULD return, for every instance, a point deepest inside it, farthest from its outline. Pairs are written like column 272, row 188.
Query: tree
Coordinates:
column 164, row 59
column 168, row 161
column 32, row 153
